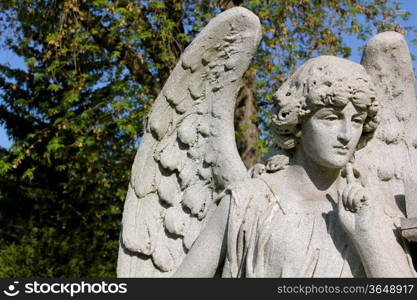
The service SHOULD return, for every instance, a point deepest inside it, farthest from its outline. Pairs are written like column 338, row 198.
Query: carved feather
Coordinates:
column 176, row 220
column 169, row 190
column 187, row 131
column 162, row 119
column 194, row 203
column 188, row 175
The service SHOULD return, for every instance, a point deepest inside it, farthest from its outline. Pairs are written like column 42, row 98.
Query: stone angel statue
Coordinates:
column 332, row 203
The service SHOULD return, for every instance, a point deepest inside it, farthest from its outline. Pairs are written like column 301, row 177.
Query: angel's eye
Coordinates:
column 328, row 114
column 330, row 117
column 358, row 120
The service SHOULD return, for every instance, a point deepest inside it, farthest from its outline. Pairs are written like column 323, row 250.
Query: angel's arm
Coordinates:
column 378, row 247
column 209, row 250
column 378, row 262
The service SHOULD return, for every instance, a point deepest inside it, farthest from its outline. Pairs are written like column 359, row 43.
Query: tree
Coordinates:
column 75, row 112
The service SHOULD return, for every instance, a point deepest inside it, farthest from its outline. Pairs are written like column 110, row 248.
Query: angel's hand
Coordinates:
column 257, row 170
column 354, row 208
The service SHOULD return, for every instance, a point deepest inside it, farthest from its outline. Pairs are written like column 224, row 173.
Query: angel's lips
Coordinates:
column 341, row 150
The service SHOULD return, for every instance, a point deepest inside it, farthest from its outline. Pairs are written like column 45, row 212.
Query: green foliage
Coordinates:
column 44, row 252
column 75, row 112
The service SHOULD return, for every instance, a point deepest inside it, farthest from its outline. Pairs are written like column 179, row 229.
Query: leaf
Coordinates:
column 55, row 144
column 71, row 96
column 28, row 174
column 54, row 87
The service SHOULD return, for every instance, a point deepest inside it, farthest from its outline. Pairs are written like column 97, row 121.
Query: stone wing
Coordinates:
column 391, row 156
column 389, row 161
column 188, row 153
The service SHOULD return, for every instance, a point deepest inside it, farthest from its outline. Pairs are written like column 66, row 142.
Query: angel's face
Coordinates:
column 330, row 136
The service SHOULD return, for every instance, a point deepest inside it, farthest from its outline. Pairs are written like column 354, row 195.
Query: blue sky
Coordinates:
column 7, row 57
column 406, row 5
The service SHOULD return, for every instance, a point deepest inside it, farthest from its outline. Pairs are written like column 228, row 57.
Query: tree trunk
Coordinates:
column 246, row 111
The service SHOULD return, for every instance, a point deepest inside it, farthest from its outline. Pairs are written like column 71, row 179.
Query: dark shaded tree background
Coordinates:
column 75, row 112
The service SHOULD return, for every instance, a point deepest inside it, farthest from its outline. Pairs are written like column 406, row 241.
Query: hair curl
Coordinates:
column 322, row 81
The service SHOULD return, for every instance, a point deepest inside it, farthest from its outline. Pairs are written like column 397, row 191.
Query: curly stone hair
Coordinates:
column 322, row 81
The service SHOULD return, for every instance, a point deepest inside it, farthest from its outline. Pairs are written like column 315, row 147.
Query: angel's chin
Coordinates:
column 336, row 162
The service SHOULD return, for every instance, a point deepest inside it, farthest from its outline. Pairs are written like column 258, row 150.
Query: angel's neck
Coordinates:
column 309, row 172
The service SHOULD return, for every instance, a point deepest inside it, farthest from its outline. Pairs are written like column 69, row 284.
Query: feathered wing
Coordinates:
column 188, row 153
column 389, row 161
column 391, row 155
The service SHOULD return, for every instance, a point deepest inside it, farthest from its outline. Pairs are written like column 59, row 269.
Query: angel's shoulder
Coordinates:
column 251, row 191
column 248, row 187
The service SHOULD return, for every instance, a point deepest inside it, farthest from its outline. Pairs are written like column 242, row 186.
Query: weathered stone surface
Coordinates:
column 173, row 189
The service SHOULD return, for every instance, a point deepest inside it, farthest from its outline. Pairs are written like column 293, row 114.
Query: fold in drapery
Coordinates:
column 269, row 238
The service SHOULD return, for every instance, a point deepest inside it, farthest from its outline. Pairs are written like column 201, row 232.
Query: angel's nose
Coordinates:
column 345, row 133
